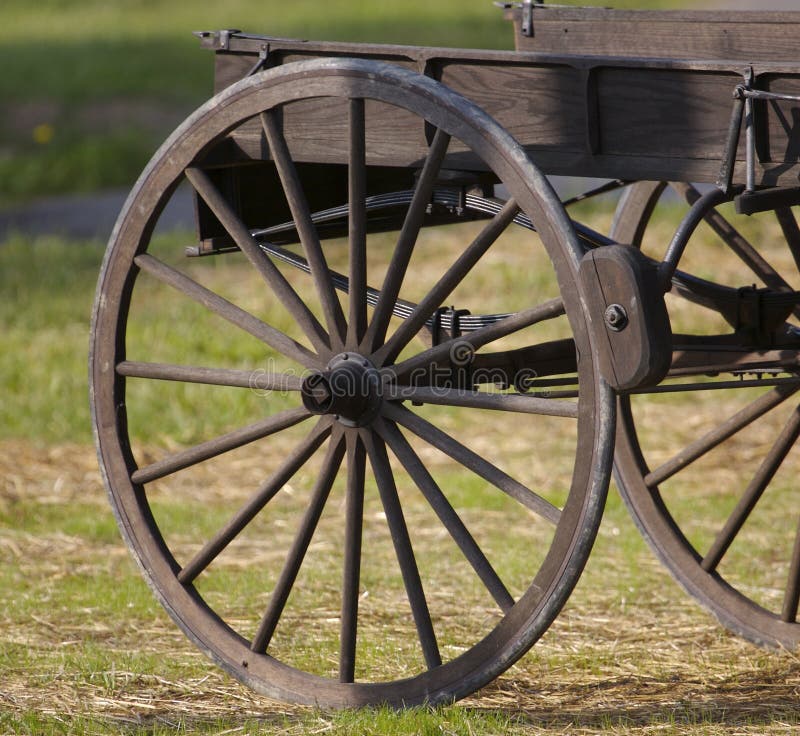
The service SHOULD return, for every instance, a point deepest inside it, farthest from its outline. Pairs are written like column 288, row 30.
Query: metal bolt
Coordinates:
column 316, row 393
column 320, row 388
column 616, row 317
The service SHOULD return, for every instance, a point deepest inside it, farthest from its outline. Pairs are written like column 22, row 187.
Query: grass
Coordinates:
column 135, row 71
column 87, row 650
column 47, row 287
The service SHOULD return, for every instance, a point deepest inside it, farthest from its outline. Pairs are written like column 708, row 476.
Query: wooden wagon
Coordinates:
column 442, row 365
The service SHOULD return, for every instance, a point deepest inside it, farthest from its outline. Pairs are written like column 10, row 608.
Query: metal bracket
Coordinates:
column 527, row 13
column 224, row 38
column 744, row 96
column 749, row 131
column 458, row 374
column 742, row 110
column 527, row 18
column 263, row 55
column 762, row 313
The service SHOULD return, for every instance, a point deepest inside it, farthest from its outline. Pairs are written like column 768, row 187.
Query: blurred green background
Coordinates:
column 91, row 87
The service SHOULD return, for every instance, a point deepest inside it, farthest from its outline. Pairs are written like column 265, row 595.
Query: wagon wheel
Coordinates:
column 383, row 529
column 709, row 470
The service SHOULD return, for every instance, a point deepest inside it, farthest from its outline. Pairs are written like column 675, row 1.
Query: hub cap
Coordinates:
column 349, row 389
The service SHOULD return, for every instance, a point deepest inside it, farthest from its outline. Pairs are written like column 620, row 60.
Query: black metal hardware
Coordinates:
column 263, row 55
column 616, row 317
column 748, row 203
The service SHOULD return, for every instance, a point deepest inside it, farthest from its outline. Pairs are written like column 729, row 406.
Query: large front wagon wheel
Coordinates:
column 341, row 489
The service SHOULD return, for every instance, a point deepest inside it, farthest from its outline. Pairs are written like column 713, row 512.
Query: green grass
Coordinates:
column 380, row 722
column 47, row 288
column 96, row 87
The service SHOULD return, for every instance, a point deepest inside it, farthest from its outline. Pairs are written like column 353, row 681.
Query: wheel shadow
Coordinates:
column 757, row 697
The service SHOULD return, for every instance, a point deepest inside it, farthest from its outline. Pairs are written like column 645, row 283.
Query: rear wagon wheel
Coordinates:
column 709, row 471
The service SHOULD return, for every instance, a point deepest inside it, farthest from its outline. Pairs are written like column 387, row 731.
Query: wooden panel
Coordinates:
column 542, row 106
column 654, row 167
column 734, row 35
column 670, row 113
column 316, row 130
column 231, row 66
column 778, row 123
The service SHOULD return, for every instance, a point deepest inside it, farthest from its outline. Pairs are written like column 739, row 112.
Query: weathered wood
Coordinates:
column 674, row 34
column 576, row 114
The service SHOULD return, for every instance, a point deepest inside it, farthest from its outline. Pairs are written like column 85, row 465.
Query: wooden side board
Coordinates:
column 743, row 35
column 576, row 114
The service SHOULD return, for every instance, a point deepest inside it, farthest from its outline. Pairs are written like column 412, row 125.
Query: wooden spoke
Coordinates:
column 332, row 308
column 452, row 278
column 446, row 513
column 472, row 461
column 354, row 517
column 480, row 337
column 792, row 595
column 248, row 512
column 791, row 232
column 255, row 379
column 753, row 492
column 228, row 311
column 483, row 400
column 297, row 552
column 402, row 545
column 719, row 434
column 402, row 307
column 248, row 245
column 357, row 190
column 406, row 241
column 219, row 445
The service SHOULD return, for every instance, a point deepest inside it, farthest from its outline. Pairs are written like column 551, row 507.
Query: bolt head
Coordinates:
column 616, row 317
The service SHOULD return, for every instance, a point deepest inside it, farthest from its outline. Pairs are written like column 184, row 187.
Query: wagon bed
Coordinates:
column 592, row 114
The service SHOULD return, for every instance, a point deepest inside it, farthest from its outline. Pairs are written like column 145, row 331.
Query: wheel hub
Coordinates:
column 349, row 389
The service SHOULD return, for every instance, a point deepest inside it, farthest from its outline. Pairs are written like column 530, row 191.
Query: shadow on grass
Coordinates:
column 753, row 698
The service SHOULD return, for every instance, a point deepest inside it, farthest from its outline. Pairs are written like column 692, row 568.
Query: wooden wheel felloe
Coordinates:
column 709, row 470
column 386, row 511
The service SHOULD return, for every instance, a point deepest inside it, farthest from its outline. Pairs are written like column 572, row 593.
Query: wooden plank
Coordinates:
column 538, row 105
column 683, row 34
column 676, row 113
